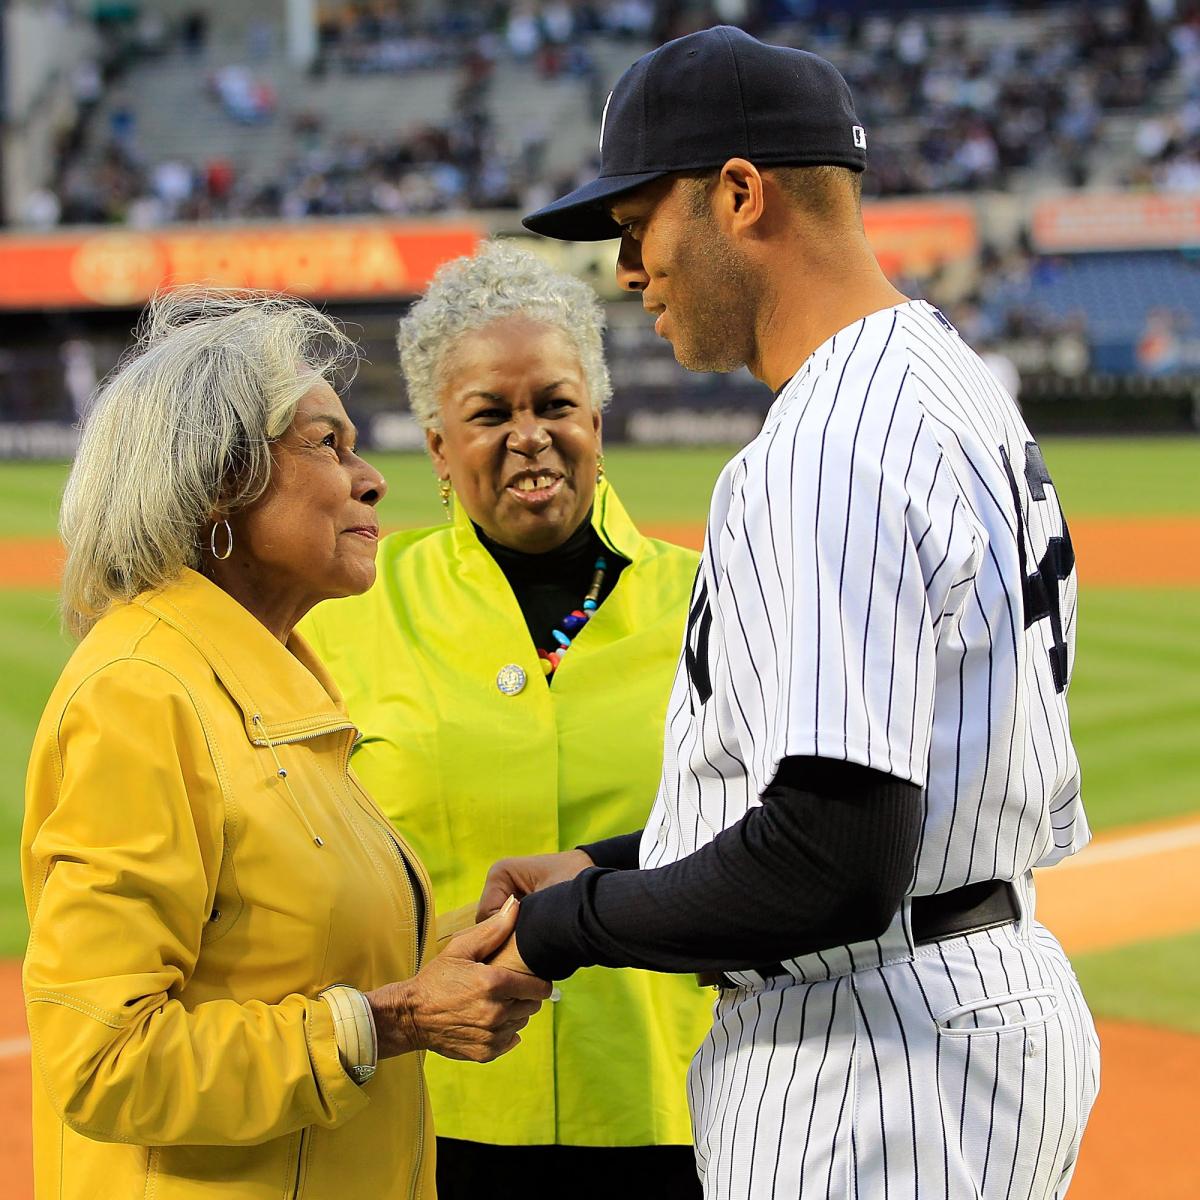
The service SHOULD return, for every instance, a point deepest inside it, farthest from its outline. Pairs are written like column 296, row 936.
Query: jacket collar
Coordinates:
column 284, row 692
column 609, row 519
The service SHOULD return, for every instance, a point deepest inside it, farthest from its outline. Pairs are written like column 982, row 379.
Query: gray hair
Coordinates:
column 181, row 432
column 499, row 280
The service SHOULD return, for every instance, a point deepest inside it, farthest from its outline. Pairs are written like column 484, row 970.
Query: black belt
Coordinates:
column 935, row 918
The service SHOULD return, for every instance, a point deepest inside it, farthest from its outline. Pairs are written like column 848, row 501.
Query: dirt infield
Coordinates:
column 1155, row 869
column 1112, row 551
column 1139, row 1141
column 16, row 1155
column 30, row 562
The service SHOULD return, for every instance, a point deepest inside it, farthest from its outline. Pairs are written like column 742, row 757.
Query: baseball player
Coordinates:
column 867, row 746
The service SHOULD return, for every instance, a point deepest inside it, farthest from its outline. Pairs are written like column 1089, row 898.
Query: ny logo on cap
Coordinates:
column 603, row 115
column 860, row 136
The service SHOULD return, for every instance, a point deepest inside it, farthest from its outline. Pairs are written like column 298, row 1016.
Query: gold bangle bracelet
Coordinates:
column 354, row 1029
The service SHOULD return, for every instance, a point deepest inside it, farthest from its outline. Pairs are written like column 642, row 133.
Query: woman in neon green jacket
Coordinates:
column 509, row 672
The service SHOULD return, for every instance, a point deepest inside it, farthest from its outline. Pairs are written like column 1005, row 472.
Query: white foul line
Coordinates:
column 14, row 1048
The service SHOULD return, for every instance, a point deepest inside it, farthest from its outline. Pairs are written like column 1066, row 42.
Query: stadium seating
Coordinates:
column 1114, row 296
column 954, row 99
column 438, row 109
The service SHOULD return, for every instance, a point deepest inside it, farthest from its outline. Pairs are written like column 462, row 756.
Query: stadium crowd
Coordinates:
column 947, row 112
column 1028, row 101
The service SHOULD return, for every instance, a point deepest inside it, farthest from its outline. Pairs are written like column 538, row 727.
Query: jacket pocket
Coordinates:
column 269, row 1169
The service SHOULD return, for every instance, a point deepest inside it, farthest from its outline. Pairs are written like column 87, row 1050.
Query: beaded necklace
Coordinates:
column 573, row 622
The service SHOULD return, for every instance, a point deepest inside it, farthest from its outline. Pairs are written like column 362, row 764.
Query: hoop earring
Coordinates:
column 444, row 492
column 212, row 540
column 600, row 467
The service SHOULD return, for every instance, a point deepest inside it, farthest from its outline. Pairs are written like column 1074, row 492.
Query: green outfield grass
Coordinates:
column 1095, row 477
column 29, row 496
column 1135, row 703
column 659, row 486
column 32, row 650
column 1155, row 982
column 1135, row 699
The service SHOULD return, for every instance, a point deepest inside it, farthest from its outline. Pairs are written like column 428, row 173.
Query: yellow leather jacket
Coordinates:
column 184, row 919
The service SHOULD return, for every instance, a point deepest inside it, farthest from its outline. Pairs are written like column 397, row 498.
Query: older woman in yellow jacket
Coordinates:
column 510, row 673
column 224, row 983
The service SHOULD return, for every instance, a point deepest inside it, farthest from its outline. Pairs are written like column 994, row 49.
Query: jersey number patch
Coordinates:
column 1041, row 598
column 696, row 645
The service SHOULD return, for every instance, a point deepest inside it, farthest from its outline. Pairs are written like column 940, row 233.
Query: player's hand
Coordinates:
column 460, row 1005
column 521, row 877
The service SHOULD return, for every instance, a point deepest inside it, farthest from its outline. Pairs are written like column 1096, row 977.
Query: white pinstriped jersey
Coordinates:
column 861, row 597
column 887, row 578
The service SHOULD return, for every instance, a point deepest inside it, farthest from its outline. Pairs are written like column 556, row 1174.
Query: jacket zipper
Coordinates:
column 410, row 876
column 281, row 770
column 300, row 1163
column 302, row 737
column 399, row 852
column 419, row 1157
column 411, row 880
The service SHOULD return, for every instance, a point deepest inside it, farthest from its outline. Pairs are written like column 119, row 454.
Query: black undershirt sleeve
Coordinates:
column 825, row 860
column 620, row 852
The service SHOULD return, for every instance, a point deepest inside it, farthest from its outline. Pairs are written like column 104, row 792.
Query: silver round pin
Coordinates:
column 511, row 679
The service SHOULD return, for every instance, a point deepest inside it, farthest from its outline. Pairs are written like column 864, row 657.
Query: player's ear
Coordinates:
column 738, row 199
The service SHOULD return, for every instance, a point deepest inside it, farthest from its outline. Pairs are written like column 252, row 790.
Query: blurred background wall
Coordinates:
column 1035, row 171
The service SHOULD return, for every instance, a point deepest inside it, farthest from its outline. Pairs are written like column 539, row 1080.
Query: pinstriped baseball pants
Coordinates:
column 967, row 1071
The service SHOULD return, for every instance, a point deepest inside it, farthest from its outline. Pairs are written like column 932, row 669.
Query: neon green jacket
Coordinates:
column 472, row 775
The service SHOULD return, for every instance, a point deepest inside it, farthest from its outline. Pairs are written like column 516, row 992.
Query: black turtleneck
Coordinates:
column 550, row 585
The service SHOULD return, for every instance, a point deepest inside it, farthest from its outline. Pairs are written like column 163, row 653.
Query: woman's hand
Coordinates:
column 458, row 1005
column 509, row 957
column 521, row 877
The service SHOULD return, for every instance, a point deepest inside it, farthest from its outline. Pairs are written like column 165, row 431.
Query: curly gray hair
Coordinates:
column 182, row 430
column 499, row 280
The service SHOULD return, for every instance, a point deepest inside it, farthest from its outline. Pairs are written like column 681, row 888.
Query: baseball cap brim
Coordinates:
column 582, row 215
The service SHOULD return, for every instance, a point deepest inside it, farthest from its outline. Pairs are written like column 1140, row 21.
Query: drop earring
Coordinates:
column 444, row 491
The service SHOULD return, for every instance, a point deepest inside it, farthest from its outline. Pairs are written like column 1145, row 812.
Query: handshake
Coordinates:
column 474, row 998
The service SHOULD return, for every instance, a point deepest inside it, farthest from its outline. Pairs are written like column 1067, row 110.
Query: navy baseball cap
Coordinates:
column 699, row 101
